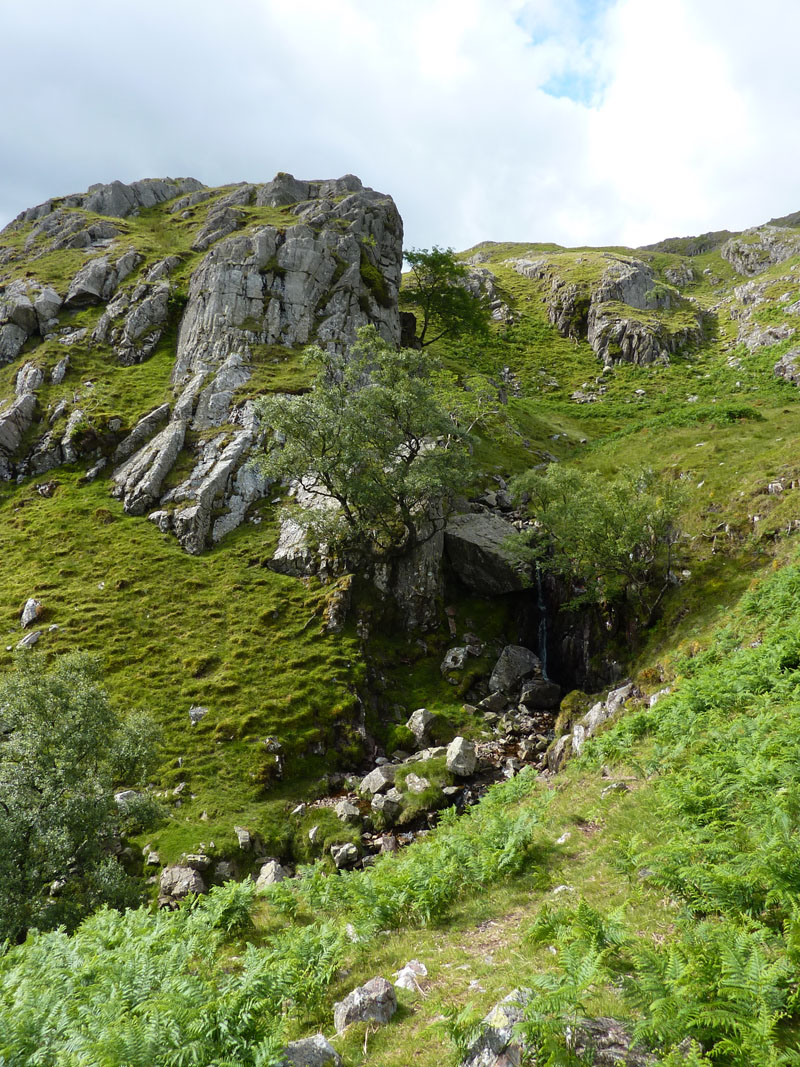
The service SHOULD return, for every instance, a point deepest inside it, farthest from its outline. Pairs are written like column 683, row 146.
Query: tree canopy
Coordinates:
column 610, row 538
column 374, row 451
column 438, row 291
column 62, row 749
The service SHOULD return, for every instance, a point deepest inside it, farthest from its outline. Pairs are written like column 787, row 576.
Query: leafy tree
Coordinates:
column 438, row 291
column 612, row 539
column 372, row 437
column 62, row 747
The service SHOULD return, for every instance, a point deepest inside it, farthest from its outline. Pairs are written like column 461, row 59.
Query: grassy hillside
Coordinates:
column 669, row 901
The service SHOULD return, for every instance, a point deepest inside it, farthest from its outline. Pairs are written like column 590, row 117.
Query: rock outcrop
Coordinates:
column 755, row 250
column 605, row 312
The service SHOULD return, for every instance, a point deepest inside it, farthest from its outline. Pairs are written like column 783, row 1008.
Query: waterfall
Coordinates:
column 542, row 622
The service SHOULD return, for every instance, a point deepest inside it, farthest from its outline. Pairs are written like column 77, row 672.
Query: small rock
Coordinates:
column 196, row 713
column 615, row 787
column 270, row 873
column 225, row 871
column 344, row 855
column 374, row 1002
column 416, row 783
column 312, row 1052
column 299, row 810
column 455, row 660
column 348, row 812
column 313, row 834
column 407, row 977
column 244, row 837
column 461, row 757
column 124, row 798
column 29, row 640
column 389, row 804
column 31, row 612
column 198, row 861
column 420, row 724
column 379, row 780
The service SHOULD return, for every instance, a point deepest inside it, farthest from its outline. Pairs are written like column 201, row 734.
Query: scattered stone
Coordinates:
column 31, row 612
column 344, row 855
column 177, row 882
column 313, row 834
column 420, row 725
column 348, row 812
column 514, row 665
column 455, row 660
column 124, row 798
column 414, row 783
column 379, row 780
column 389, row 843
column 389, row 804
column 270, row 873
column 407, row 977
column 198, row 861
column 29, row 640
column 312, row 1052
column 225, row 871
column 374, row 1002
column 461, row 757
column 244, row 837
column 196, row 713
column 615, row 787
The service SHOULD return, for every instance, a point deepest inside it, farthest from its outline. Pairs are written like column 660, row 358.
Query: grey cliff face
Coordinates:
column 316, row 279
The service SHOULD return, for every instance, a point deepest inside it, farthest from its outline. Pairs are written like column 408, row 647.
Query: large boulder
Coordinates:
column 514, row 665
column 476, row 548
column 374, row 1002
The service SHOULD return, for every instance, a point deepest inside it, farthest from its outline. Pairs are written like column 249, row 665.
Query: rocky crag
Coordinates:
column 240, row 293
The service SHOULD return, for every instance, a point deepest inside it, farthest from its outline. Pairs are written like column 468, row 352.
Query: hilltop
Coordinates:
column 140, row 323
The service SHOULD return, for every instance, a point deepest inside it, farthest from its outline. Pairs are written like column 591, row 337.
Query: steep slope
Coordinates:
column 138, row 324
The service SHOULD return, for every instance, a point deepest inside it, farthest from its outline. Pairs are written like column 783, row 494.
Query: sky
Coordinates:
column 576, row 121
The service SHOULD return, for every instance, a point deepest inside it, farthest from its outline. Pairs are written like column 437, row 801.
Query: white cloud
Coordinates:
column 441, row 103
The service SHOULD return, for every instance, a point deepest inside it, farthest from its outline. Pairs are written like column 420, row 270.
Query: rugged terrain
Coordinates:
column 137, row 326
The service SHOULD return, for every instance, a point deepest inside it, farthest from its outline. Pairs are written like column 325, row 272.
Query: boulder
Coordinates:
column 379, row 780
column 31, row 612
column 313, row 1051
column 375, row 1002
column 514, row 665
column 28, row 379
column 475, row 546
column 179, row 881
column 541, row 694
column 603, row 1042
column 600, row 713
column 12, row 338
column 348, row 812
column 244, row 837
column 29, row 640
column 461, row 758
column 455, row 660
column 388, row 804
column 420, row 725
column 270, row 873
column 344, row 855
